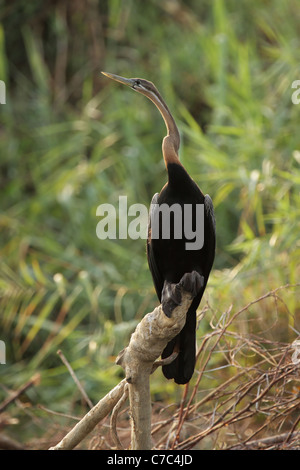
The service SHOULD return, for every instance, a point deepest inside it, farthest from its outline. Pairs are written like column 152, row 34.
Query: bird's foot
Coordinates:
column 171, row 294
column 192, row 282
column 170, row 298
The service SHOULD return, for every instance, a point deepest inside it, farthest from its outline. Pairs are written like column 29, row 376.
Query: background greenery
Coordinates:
column 70, row 140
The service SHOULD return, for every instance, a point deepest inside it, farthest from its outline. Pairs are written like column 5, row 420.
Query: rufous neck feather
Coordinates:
column 171, row 142
column 169, row 150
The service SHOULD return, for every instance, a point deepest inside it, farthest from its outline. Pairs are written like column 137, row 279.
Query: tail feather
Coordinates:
column 182, row 368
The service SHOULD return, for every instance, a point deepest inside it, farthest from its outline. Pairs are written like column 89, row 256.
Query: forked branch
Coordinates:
column 138, row 360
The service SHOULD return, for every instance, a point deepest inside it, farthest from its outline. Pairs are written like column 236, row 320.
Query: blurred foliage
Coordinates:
column 70, row 140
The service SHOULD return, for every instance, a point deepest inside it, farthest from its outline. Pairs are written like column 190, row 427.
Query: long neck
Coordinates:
column 171, row 142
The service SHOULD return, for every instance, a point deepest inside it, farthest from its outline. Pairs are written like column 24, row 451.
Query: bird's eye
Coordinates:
column 136, row 84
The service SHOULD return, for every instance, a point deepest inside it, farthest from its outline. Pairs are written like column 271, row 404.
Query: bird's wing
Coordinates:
column 209, row 209
column 156, row 275
column 211, row 232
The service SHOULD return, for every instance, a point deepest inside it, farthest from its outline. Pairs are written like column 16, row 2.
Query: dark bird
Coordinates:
column 171, row 250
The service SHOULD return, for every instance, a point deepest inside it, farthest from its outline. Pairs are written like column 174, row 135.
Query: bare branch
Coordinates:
column 74, row 377
column 114, row 416
column 146, row 344
column 35, row 380
column 91, row 419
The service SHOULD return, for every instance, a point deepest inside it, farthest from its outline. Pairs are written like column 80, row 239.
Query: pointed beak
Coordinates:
column 125, row 81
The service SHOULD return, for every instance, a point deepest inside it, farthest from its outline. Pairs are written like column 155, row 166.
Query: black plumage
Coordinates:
column 169, row 260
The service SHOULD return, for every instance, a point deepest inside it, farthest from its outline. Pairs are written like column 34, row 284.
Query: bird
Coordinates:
column 170, row 257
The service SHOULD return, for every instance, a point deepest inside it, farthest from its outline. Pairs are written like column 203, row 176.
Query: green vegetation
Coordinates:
column 70, row 140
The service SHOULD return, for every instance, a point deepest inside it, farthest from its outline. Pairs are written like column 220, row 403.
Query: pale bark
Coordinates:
column 147, row 342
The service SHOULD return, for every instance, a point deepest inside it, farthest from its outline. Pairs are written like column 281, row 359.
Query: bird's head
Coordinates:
column 138, row 84
column 148, row 89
